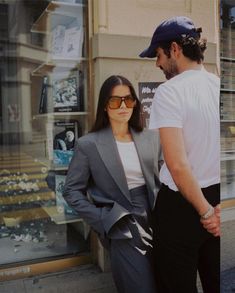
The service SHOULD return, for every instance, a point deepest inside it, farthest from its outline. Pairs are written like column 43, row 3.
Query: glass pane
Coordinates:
column 227, row 159
column 227, row 104
column 43, row 92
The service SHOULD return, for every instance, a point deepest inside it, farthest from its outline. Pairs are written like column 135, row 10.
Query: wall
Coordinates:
column 123, row 28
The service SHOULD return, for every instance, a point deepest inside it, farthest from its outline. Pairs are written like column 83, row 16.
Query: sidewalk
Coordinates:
column 90, row 279
column 228, row 251
column 85, row 279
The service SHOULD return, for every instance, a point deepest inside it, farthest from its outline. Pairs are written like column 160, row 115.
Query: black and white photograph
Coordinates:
column 64, row 135
column 65, row 94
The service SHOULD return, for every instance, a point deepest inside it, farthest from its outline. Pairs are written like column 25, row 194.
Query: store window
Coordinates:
column 227, row 104
column 43, row 110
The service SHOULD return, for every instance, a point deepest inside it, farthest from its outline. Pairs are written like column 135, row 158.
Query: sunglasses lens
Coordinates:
column 130, row 102
column 114, row 102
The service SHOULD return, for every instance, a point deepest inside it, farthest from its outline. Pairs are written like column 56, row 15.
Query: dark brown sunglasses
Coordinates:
column 115, row 102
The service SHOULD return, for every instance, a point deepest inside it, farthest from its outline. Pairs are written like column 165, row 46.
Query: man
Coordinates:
column 185, row 109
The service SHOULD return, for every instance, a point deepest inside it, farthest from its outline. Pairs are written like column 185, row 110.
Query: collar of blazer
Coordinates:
column 108, row 151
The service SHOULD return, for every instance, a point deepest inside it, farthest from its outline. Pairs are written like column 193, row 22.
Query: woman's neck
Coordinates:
column 121, row 132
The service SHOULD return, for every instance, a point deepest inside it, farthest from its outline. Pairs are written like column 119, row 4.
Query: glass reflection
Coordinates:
column 35, row 222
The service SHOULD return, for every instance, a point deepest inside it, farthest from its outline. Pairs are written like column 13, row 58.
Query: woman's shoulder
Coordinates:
column 149, row 133
column 93, row 137
column 152, row 136
column 87, row 139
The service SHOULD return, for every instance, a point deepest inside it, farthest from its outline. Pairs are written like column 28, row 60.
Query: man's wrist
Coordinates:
column 208, row 213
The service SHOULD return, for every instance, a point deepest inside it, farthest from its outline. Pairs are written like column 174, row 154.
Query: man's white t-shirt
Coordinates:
column 190, row 101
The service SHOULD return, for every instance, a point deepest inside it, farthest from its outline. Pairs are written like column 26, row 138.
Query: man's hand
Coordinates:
column 212, row 224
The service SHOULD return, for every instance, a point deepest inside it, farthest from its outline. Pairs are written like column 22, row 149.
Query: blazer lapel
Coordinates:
column 145, row 154
column 108, row 151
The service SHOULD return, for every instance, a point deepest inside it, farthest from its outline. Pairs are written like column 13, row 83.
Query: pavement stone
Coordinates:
column 228, row 251
column 83, row 279
column 228, row 281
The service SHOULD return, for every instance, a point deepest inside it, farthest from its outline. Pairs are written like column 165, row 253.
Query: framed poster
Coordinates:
column 65, row 134
column 146, row 94
column 73, row 43
column 57, row 41
column 67, row 93
column 67, row 42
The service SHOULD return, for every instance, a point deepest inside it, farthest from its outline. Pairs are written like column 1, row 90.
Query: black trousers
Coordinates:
column 182, row 246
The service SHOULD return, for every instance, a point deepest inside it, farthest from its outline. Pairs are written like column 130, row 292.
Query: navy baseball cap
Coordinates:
column 168, row 30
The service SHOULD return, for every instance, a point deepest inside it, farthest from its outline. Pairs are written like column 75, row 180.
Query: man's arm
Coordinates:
column 176, row 160
column 210, row 226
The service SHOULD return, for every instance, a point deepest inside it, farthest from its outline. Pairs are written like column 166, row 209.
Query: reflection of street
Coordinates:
column 23, row 192
column 27, row 232
column 227, row 175
column 22, row 186
column 228, row 222
column 228, row 187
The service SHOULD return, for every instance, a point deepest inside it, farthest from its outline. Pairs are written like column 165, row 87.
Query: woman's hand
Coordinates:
column 212, row 224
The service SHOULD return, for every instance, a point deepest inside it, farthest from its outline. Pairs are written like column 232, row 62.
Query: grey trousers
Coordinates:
column 131, row 258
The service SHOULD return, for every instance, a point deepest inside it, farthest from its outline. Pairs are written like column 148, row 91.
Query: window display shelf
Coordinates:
column 227, row 120
column 231, row 59
column 28, row 197
column 60, row 8
column 227, row 90
column 62, row 96
column 59, row 114
column 57, row 63
column 58, row 168
column 227, row 155
column 23, row 215
column 61, row 217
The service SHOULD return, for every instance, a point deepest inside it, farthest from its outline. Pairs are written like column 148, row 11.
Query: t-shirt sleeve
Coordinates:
column 166, row 110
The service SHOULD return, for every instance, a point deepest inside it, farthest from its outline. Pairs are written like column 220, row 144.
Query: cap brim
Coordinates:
column 150, row 52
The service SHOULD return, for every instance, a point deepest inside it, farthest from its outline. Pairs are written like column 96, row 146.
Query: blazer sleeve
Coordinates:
column 75, row 191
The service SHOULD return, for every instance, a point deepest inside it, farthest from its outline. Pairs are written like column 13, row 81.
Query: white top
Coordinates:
column 131, row 164
column 190, row 101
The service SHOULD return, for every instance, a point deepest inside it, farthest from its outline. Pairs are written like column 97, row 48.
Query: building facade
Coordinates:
column 227, row 54
column 54, row 56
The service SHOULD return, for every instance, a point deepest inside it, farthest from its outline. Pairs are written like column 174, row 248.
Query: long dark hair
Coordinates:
column 102, row 119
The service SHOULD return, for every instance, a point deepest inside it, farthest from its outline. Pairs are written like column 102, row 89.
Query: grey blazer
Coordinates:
column 96, row 186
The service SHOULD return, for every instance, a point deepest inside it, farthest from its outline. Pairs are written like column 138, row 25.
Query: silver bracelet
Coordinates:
column 208, row 213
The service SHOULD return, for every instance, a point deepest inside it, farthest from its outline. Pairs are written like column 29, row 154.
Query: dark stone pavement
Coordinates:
column 228, row 281
column 228, row 251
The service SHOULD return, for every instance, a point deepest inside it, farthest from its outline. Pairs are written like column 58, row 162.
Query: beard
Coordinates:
column 171, row 70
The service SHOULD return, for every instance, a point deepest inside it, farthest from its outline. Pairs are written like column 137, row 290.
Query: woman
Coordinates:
column 112, row 183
